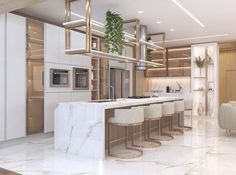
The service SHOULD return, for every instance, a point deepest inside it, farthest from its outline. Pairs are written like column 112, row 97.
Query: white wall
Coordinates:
column 2, row 79
column 56, row 58
column 16, row 76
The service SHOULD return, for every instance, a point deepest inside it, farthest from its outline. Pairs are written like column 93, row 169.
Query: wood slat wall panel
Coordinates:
column 227, row 69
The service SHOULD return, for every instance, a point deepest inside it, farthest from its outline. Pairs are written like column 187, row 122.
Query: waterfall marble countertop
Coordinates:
column 79, row 127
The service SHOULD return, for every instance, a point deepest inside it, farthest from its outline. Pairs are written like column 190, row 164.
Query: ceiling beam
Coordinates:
column 11, row 5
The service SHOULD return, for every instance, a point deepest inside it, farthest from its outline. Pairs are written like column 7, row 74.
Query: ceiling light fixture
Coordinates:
column 172, row 30
column 194, row 38
column 158, row 22
column 140, row 12
column 186, row 11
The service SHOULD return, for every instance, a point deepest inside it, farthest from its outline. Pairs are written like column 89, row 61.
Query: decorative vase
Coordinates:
column 200, row 109
column 200, row 72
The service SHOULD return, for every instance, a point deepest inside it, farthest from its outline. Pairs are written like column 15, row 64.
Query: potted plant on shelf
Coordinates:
column 114, row 34
column 200, row 63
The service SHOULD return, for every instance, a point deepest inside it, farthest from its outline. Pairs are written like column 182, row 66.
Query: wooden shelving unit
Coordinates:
column 95, row 62
column 205, row 97
column 92, row 27
column 178, row 61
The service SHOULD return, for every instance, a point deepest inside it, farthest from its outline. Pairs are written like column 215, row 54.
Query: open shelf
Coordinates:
column 95, row 28
column 199, row 77
column 151, row 45
column 151, row 64
column 199, row 90
column 82, row 23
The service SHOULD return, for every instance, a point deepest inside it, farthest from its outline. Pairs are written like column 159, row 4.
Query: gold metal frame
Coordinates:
column 87, row 24
column 182, row 126
column 140, row 151
column 171, row 137
column 163, row 44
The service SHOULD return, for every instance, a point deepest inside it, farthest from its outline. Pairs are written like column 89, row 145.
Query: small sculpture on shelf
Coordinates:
column 200, row 63
column 180, row 88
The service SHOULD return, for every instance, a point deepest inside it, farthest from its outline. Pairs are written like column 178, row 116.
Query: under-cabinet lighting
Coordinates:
column 193, row 38
column 170, row 68
column 186, row 11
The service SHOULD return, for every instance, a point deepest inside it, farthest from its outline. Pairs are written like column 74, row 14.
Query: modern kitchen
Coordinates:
column 96, row 87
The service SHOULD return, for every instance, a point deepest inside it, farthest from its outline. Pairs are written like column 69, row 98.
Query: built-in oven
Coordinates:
column 59, row 78
column 80, row 79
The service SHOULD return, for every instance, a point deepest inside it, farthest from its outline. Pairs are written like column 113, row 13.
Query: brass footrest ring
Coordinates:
column 140, row 153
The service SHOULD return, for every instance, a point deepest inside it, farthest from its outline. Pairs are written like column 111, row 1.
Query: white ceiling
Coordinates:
column 218, row 17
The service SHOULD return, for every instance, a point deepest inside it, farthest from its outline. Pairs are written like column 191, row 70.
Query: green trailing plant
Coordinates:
column 149, row 54
column 114, row 35
column 200, row 63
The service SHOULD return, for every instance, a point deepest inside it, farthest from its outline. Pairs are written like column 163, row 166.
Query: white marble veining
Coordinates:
column 206, row 150
column 80, row 126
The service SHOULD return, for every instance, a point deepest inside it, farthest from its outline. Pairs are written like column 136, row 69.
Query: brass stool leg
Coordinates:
column 108, row 140
column 147, row 136
column 186, row 127
column 178, row 130
column 165, row 134
column 140, row 152
column 152, row 139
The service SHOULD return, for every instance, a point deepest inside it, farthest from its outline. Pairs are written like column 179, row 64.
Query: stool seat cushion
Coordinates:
column 153, row 111
column 168, row 108
column 127, row 116
column 179, row 106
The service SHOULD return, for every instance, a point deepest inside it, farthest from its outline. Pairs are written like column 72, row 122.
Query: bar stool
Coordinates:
column 188, row 107
column 179, row 109
column 126, row 118
column 148, row 111
column 167, row 112
column 152, row 113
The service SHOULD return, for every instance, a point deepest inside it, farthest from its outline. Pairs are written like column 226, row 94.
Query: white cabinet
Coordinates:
column 55, row 57
column 2, row 79
column 16, row 77
column 54, row 39
column 51, row 43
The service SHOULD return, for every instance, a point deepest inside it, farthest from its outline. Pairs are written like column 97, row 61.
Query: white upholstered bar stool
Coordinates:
column 188, row 107
column 126, row 118
column 168, row 109
column 152, row 113
column 179, row 109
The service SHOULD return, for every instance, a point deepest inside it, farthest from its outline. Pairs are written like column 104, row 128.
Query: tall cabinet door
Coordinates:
column 16, row 76
column 2, row 74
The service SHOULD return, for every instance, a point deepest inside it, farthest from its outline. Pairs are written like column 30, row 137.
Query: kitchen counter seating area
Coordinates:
column 81, row 128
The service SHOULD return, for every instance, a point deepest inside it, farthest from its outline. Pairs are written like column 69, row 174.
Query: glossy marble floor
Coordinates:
column 206, row 150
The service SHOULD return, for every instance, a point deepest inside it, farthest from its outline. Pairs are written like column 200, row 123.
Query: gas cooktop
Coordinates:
column 138, row 97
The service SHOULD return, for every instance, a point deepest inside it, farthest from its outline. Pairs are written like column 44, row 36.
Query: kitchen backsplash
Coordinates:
column 160, row 84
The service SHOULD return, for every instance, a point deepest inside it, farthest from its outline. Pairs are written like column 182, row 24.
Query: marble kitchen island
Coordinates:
column 80, row 126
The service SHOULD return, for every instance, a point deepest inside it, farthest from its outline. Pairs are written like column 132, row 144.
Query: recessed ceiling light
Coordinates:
column 172, row 30
column 140, row 12
column 158, row 22
column 186, row 11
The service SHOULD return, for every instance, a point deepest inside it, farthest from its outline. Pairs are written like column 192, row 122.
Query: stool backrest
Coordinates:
column 153, row 111
column 168, row 108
